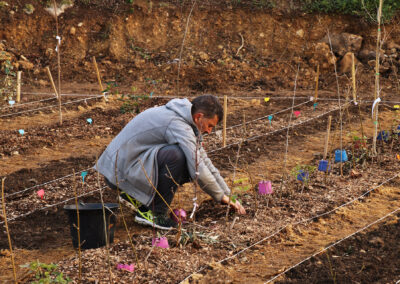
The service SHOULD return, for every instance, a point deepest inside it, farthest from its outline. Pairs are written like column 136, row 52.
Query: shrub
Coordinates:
column 363, row 8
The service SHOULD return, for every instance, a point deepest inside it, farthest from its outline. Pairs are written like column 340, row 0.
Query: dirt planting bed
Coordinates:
column 209, row 239
column 372, row 256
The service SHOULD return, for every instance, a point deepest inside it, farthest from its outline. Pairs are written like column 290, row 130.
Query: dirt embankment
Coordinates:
column 224, row 49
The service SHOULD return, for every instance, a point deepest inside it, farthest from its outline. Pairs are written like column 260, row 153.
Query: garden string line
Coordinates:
column 260, row 118
column 230, row 145
column 218, row 96
column 35, row 186
column 48, row 99
column 257, row 119
column 27, row 103
column 294, row 224
column 334, row 244
column 53, row 205
column 274, row 131
column 47, row 182
column 45, row 107
column 91, row 96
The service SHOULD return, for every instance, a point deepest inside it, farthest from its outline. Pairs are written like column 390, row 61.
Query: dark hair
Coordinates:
column 208, row 105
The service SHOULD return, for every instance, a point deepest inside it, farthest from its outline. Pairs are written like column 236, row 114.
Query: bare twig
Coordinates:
column 234, row 174
column 105, row 226
column 287, row 133
column 183, row 42
column 78, row 227
column 240, row 47
column 58, row 38
column 7, row 230
column 155, row 189
column 178, row 235
column 340, row 103
column 377, row 89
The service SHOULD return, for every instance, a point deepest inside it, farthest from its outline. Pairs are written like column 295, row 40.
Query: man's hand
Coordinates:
column 236, row 205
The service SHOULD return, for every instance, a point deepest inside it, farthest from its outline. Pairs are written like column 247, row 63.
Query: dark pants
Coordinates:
column 171, row 161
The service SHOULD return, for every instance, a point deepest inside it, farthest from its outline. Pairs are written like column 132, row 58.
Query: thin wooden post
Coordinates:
column 224, row 121
column 101, row 89
column 55, row 90
column 328, row 132
column 19, row 86
column 8, row 232
column 316, row 85
column 353, row 76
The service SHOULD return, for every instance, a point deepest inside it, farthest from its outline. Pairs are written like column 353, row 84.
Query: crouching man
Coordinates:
column 160, row 143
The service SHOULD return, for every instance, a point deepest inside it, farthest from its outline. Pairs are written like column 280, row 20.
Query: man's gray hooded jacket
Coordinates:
column 134, row 151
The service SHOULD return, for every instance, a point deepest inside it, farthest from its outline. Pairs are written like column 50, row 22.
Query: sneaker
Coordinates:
column 129, row 201
column 161, row 222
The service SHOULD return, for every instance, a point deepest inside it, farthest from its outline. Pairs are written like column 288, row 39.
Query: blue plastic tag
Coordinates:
column 83, row 174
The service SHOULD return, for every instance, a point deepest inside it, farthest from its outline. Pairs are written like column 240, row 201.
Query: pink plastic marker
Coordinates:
column 127, row 267
column 296, row 113
column 161, row 242
column 181, row 214
column 265, row 187
column 40, row 193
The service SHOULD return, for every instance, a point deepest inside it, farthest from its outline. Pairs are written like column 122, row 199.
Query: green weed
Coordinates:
column 46, row 273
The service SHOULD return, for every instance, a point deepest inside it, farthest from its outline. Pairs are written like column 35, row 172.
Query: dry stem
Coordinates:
column 105, row 226
column 240, row 47
column 377, row 91
column 152, row 185
column 122, row 213
column 7, row 230
column 78, row 227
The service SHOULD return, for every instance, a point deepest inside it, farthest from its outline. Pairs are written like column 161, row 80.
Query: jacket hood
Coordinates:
column 183, row 107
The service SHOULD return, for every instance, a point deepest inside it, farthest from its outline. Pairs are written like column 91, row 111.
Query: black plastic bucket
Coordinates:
column 92, row 224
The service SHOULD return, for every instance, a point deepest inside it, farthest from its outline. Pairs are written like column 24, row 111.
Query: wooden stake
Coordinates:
column 19, row 86
column 8, row 232
column 328, row 132
column 224, row 121
column 316, row 84
column 55, row 90
column 101, row 89
column 353, row 76
column 376, row 92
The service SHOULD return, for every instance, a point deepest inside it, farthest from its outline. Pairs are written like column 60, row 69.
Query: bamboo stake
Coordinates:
column 328, row 132
column 376, row 92
column 78, row 228
column 353, row 76
column 316, row 84
column 8, row 232
column 224, row 121
column 101, row 89
column 55, row 90
column 19, row 86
